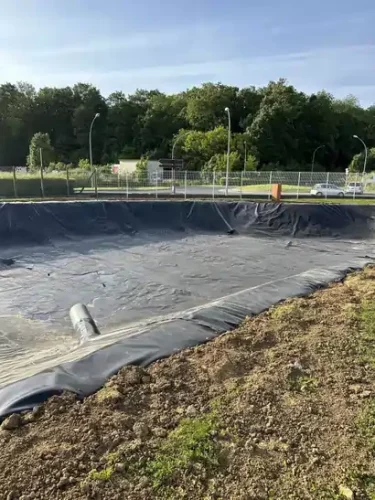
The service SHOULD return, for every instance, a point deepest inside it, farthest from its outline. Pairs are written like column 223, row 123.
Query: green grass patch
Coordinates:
column 285, row 311
column 103, row 475
column 366, row 317
column 302, row 383
column 335, row 201
column 131, row 188
column 31, row 187
column 327, row 493
column 191, row 445
column 107, row 394
column 254, row 188
column 366, row 421
column 366, row 483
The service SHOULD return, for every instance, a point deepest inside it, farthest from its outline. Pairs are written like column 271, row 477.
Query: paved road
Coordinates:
column 207, row 191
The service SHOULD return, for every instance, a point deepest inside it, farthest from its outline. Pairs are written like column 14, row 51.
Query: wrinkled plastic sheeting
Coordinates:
column 87, row 375
column 43, row 223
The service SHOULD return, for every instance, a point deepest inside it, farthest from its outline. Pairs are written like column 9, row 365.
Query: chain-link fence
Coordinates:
column 78, row 183
column 239, row 184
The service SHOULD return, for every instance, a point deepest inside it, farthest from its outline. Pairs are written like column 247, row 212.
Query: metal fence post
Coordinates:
column 327, row 184
column 41, row 173
column 299, row 183
column 213, row 184
column 363, row 182
column 270, row 189
column 14, row 182
column 185, row 184
column 127, row 185
column 156, row 186
column 241, row 184
column 96, row 182
column 67, row 182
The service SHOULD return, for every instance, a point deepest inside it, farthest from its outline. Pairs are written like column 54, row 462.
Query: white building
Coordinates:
column 129, row 167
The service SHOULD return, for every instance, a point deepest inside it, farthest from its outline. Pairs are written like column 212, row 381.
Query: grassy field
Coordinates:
column 103, row 187
column 336, row 201
column 283, row 408
column 253, row 188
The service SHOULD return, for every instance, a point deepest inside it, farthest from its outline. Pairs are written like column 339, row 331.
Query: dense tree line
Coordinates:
column 279, row 126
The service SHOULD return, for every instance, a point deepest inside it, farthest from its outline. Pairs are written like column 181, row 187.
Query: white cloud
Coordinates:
column 132, row 41
column 340, row 70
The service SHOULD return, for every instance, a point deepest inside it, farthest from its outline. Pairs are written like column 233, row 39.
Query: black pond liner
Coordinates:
column 43, row 223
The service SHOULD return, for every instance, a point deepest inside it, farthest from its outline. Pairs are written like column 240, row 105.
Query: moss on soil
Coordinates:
column 191, row 445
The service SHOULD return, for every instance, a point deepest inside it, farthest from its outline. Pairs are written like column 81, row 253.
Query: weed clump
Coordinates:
column 190, row 446
column 103, row 475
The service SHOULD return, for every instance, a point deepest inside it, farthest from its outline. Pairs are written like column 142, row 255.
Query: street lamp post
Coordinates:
column 173, row 172
column 313, row 158
column 176, row 142
column 90, row 137
column 244, row 163
column 227, row 110
column 364, row 145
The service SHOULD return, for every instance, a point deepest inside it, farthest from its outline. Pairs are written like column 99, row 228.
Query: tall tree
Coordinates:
column 88, row 102
column 281, row 126
column 205, row 106
column 40, row 151
column 276, row 129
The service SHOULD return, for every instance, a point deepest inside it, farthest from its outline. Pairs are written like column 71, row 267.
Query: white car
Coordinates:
column 326, row 190
column 354, row 188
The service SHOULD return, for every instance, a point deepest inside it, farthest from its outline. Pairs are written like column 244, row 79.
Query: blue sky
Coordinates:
column 172, row 45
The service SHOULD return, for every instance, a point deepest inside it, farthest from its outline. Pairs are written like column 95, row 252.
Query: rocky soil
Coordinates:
column 281, row 408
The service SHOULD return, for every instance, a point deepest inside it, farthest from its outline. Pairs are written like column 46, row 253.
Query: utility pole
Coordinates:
column 227, row 110
column 41, row 172
column 364, row 145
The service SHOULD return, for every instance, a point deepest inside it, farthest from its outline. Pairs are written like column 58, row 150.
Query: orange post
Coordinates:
column 276, row 192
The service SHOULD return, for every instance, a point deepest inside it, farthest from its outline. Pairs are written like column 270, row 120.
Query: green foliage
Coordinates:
column 367, row 483
column 103, row 475
column 190, row 444
column 84, row 164
column 280, row 125
column 205, row 105
column 40, row 149
column 251, row 163
column 367, row 318
column 141, row 167
column 366, row 425
column 127, row 153
column 303, row 383
column 357, row 163
column 218, row 162
column 30, row 187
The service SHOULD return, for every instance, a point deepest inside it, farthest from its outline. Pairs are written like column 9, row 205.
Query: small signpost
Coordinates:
column 171, row 164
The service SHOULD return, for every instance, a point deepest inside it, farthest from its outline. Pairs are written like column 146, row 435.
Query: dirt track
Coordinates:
column 282, row 408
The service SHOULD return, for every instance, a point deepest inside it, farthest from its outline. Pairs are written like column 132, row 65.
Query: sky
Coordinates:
column 172, row 45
